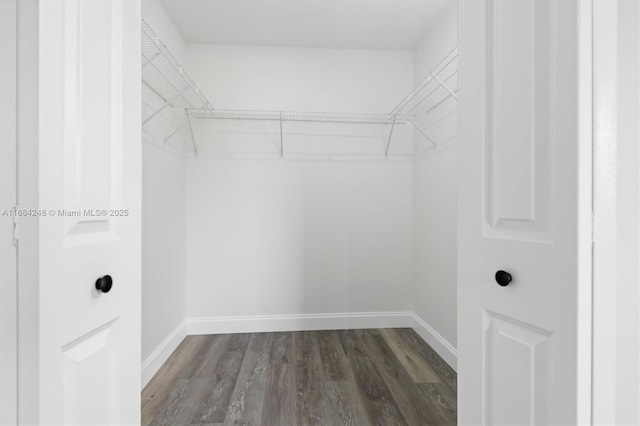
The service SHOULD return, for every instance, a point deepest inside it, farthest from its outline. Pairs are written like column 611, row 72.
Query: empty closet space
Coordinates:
column 344, row 377
column 299, row 211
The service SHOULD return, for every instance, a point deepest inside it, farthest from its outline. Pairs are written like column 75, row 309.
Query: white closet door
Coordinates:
column 8, row 284
column 525, row 209
column 90, row 162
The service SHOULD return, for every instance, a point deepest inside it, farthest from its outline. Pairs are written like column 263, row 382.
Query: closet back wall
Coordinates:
column 285, row 237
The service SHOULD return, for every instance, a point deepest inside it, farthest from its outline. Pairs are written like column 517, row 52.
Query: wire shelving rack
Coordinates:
column 174, row 89
column 173, row 86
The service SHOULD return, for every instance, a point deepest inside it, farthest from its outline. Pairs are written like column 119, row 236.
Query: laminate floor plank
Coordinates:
column 416, row 409
column 245, row 406
column 444, row 398
column 347, row 377
column 214, row 400
column 313, row 404
column 334, row 361
column 280, row 397
column 340, row 383
column 206, row 367
column 415, row 364
column 159, row 388
column 380, row 405
column 182, row 403
column 445, row 372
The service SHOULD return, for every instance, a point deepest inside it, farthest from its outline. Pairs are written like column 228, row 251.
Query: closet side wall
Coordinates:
column 435, row 195
column 289, row 238
column 163, row 223
column 627, row 321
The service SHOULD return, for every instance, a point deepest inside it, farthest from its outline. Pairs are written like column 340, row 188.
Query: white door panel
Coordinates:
column 90, row 188
column 516, row 356
column 520, row 88
column 91, row 363
column 524, row 172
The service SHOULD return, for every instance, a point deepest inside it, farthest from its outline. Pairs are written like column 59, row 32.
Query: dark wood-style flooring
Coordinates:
column 347, row 377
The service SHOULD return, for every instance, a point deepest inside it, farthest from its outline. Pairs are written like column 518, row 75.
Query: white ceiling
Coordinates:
column 341, row 24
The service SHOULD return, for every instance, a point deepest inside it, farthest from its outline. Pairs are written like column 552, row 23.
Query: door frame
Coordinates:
column 28, row 176
column 8, row 165
column 616, row 250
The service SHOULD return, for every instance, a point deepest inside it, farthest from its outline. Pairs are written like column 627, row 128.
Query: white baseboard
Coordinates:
column 159, row 356
column 439, row 344
column 271, row 323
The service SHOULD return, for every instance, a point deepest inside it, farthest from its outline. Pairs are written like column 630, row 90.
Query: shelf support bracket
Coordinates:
column 415, row 126
column 444, row 85
column 167, row 102
column 149, row 60
column 177, row 129
column 150, row 87
column 193, row 138
column 393, row 125
column 170, row 83
column 281, row 138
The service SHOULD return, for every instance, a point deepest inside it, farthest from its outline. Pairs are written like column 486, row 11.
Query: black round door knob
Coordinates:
column 503, row 278
column 104, row 284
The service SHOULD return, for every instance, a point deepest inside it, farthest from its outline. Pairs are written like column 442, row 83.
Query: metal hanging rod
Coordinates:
column 302, row 117
column 295, row 116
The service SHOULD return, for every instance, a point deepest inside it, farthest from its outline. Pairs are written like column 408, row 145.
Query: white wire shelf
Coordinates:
column 169, row 84
column 437, row 87
column 434, row 88
column 284, row 117
column 173, row 89
column 293, row 116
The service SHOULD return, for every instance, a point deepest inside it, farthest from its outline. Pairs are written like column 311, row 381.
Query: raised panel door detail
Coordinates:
column 519, row 141
column 93, row 120
column 90, row 377
column 516, row 357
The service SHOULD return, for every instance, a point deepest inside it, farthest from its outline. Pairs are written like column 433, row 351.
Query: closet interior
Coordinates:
column 304, row 184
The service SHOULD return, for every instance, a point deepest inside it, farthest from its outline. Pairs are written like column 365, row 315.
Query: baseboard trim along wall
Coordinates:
column 439, row 344
column 161, row 354
column 273, row 323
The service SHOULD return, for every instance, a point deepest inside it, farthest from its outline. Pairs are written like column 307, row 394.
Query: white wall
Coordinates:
column 286, row 78
column 276, row 238
column 627, row 362
column 284, row 237
column 435, row 195
column 163, row 246
column 8, row 199
column 163, row 216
